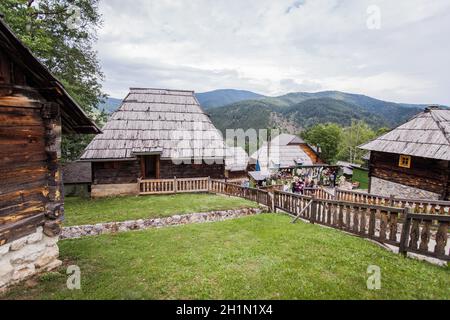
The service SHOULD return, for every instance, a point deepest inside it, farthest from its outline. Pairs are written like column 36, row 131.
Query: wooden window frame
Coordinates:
column 405, row 162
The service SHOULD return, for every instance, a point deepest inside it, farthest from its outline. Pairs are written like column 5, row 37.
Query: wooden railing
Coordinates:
column 172, row 186
column 319, row 192
column 417, row 205
column 426, row 234
column 256, row 195
column 391, row 225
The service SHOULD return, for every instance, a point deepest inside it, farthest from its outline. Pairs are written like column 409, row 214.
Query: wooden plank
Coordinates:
column 441, row 238
column 383, row 225
column 425, row 235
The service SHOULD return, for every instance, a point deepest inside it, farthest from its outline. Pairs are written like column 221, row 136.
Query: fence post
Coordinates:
column 313, row 209
column 405, row 233
column 175, row 186
column 209, row 185
column 391, row 200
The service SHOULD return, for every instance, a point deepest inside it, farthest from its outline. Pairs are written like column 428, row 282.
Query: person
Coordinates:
column 332, row 179
column 296, row 185
column 286, row 187
column 301, row 187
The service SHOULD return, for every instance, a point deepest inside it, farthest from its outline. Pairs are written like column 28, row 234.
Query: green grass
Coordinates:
column 259, row 257
column 80, row 211
column 362, row 177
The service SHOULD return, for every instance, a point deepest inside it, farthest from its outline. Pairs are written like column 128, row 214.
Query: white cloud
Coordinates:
column 274, row 47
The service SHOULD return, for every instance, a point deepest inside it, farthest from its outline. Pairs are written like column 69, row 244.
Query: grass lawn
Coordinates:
column 80, row 211
column 362, row 177
column 259, row 257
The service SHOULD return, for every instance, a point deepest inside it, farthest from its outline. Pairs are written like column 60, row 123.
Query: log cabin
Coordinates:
column 155, row 134
column 412, row 161
column 35, row 110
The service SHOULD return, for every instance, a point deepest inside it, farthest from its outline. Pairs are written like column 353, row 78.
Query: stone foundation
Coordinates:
column 114, row 227
column 112, row 190
column 387, row 188
column 23, row 258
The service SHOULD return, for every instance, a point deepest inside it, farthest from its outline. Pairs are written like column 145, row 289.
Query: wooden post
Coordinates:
column 405, row 233
column 175, row 185
column 54, row 209
column 313, row 210
column 158, row 167
column 391, row 200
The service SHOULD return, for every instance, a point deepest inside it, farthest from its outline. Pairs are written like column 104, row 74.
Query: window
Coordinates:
column 405, row 162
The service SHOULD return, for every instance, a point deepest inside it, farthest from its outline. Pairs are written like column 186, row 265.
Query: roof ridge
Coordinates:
column 438, row 123
column 162, row 89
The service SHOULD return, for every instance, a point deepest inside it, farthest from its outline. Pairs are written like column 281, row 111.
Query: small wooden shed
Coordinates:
column 34, row 111
column 412, row 160
column 155, row 134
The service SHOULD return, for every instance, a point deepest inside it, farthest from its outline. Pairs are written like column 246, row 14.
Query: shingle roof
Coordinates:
column 74, row 119
column 158, row 121
column 285, row 152
column 427, row 135
column 236, row 160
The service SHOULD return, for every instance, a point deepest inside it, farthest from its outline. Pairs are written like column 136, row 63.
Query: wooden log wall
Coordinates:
column 118, row 172
column 30, row 188
column 168, row 170
column 426, row 174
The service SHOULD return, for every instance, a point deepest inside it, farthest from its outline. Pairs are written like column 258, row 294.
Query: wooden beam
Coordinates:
column 142, row 158
column 158, row 166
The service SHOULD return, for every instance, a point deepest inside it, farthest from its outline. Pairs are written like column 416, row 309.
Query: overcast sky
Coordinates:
column 279, row 46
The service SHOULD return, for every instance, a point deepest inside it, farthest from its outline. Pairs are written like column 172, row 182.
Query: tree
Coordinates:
column 327, row 137
column 354, row 136
column 61, row 34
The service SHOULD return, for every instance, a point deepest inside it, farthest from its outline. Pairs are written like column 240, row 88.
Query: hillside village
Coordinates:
column 161, row 158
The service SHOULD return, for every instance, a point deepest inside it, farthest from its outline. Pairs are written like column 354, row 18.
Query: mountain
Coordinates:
column 297, row 111
column 110, row 105
column 219, row 98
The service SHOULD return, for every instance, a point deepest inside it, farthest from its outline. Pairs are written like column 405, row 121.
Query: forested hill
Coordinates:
column 293, row 114
column 295, row 111
column 219, row 98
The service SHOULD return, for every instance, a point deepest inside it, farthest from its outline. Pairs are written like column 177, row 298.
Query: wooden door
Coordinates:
column 152, row 167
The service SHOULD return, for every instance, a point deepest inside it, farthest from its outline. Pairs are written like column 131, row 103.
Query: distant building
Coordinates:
column 77, row 179
column 155, row 134
column 285, row 152
column 413, row 160
column 236, row 163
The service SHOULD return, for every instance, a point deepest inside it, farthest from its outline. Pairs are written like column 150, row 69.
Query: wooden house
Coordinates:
column 285, row 151
column 77, row 178
column 236, row 163
column 34, row 111
column 155, row 134
column 412, row 160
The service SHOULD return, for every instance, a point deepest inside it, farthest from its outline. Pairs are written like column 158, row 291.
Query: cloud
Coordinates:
column 274, row 47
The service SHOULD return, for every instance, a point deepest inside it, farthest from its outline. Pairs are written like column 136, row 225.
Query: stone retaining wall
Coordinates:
column 142, row 224
column 26, row 257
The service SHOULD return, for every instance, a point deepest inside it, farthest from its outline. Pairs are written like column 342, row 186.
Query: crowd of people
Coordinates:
column 298, row 185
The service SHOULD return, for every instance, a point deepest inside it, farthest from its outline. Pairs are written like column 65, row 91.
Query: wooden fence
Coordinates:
column 319, row 192
column 391, row 225
column 256, row 195
column 416, row 226
column 172, row 186
column 417, row 205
